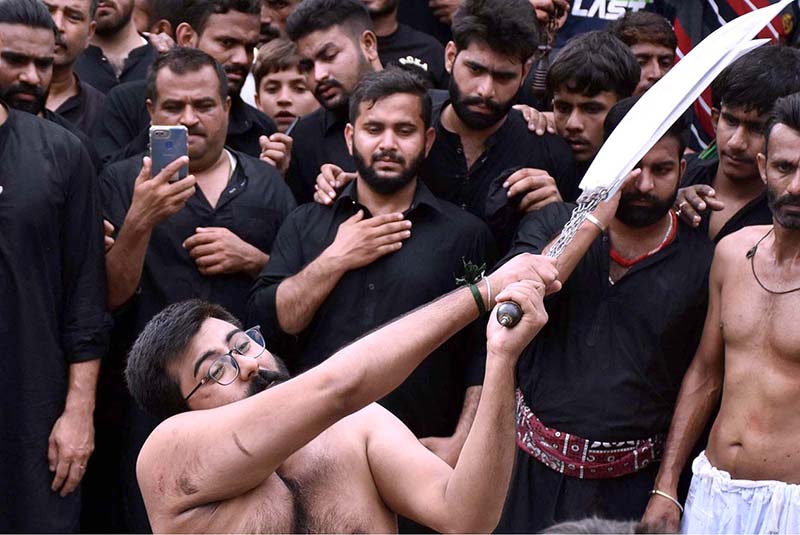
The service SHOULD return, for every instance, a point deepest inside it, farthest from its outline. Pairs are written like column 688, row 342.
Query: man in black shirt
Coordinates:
column 598, row 386
column 402, row 45
column 117, row 53
column 76, row 101
column 53, row 323
column 730, row 185
column 335, row 36
column 174, row 241
column 384, row 248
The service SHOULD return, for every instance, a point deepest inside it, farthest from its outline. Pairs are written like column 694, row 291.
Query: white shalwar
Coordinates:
column 718, row 504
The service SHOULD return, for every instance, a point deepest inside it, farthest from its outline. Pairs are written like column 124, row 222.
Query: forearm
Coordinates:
column 82, row 386
column 698, row 398
column 124, row 261
column 477, row 488
column 299, row 297
column 256, row 260
column 577, row 248
column 472, row 397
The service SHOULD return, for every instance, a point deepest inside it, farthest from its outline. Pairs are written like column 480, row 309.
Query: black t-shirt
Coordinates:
column 93, row 67
column 756, row 212
column 426, row 267
column 83, row 109
column 122, row 131
column 253, row 206
column 414, row 51
column 609, row 363
column 418, row 15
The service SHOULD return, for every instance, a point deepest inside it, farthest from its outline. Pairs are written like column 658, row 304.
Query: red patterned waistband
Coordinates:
column 579, row 457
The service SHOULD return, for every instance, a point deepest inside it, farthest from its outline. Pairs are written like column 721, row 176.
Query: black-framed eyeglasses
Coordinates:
column 225, row 369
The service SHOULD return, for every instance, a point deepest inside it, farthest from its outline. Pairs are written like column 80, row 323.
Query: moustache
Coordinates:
column 324, row 86
column 787, row 200
column 388, row 156
column 635, row 197
column 493, row 105
column 264, row 379
column 269, row 32
column 739, row 158
column 236, row 69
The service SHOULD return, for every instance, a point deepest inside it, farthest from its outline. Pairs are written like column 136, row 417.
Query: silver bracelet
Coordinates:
column 667, row 496
column 489, row 304
column 596, row 222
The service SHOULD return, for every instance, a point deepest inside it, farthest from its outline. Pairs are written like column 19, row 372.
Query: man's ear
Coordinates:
column 450, row 54
column 714, row 119
column 681, row 170
column 525, row 70
column 150, row 108
column 348, row 137
column 163, row 26
column 185, row 35
column 762, row 166
column 369, row 46
column 228, row 104
column 92, row 27
column 430, row 137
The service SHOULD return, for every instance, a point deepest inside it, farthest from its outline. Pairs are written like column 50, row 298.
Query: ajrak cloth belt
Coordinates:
column 579, row 457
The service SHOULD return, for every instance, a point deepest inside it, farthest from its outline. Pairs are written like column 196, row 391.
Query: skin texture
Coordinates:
column 285, row 96
column 579, row 120
column 746, row 354
column 26, row 62
column 274, row 14
column 655, row 61
column 356, row 467
column 75, row 26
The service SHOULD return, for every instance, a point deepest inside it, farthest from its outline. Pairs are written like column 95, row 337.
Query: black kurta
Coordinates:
column 52, row 308
column 607, row 366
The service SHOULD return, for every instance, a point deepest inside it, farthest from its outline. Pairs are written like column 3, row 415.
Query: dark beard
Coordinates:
column 390, row 7
column 264, row 378
column 112, row 25
column 35, row 106
column 776, row 202
column 643, row 216
column 475, row 120
column 386, row 186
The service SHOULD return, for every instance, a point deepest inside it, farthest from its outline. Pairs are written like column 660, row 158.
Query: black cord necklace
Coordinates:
column 751, row 254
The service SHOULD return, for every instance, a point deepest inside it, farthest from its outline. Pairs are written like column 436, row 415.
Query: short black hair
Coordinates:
column 593, row 62
column 757, row 79
column 163, row 340
column 180, row 60
column 278, row 55
column 195, row 13
column 644, row 27
column 508, row 27
column 679, row 129
column 169, row 10
column 315, row 15
column 375, row 86
column 32, row 13
column 786, row 111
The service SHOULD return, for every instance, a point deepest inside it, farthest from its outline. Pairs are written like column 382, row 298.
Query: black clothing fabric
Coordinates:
column 52, row 308
column 430, row 400
column 74, row 130
column 609, row 363
column 83, row 109
column 418, row 15
column 123, row 130
column 756, row 212
column 415, row 51
column 555, row 497
column 94, row 68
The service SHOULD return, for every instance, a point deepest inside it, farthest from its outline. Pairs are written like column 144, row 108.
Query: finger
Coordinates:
column 268, row 161
column 263, row 141
column 52, row 454
column 538, row 199
column 390, row 248
column 322, row 198
column 144, row 173
column 74, row 477
column 393, row 238
column 207, row 249
column 695, row 200
column 516, row 176
column 180, row 186
column 392, row 227
column 275, row 155
column 355, row 218
column 530, row 183
column 108, row 228
column 280, row 138
column 62, row 470
column 172, row 168
column 382, row 219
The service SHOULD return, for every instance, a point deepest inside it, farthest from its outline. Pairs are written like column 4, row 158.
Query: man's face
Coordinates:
column 215, row 338
column 645, row 201
column 75, row 28
column 389, row 142
column 284, row 96
column 26, row 66
column 740, row 137
column 483, row 84
column 192, row 99
column 112, row 15
column 781, row 172
column 655, row 61
column 579, row 120
column 380, row 8
column 231, row 38
column 339, row 62
column 273, row 17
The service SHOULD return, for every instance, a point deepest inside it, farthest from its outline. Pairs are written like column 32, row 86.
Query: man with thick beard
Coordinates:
column 748, row 478
column 117, row 53
column 598, row 386
column 386, row 246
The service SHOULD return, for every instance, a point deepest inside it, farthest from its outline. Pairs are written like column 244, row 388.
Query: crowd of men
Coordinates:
column 291, row 328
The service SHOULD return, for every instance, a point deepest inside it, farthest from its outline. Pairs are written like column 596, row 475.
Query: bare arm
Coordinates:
column 449, row 448
column 699, row 395
column 154, row 199
column 358, row 242
column 470, row 497
column 252, row 437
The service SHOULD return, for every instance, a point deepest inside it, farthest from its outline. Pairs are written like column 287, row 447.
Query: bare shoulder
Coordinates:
column 740, row 241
